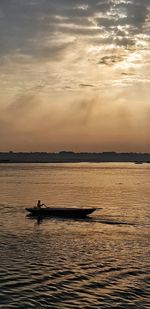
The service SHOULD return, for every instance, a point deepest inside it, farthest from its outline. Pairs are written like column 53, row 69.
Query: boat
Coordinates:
column 138, row 162
column 60, row 212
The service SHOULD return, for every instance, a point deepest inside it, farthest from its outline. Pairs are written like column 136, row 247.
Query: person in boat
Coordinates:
column 39, row 205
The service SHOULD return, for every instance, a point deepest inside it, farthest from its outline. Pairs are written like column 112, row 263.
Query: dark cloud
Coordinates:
column 24, row 25
column 110, row 60
column 86, row 85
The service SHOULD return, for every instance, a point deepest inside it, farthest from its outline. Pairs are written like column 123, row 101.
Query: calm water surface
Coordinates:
column 100, row 262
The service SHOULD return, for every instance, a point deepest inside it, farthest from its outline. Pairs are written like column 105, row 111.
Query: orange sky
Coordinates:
column 75, row 75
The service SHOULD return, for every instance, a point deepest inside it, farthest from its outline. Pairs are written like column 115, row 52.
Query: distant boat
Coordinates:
column 138, row 162
column 60, row 212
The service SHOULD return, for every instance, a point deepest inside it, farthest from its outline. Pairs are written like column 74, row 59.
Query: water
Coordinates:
column 100, row 262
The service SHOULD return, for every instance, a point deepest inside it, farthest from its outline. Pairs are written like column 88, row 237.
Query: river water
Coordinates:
column 101, row 262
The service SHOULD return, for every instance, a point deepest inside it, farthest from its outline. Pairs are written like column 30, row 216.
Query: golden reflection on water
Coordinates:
column 63, row 263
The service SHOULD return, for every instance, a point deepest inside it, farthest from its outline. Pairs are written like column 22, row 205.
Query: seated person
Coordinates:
column 39, row 205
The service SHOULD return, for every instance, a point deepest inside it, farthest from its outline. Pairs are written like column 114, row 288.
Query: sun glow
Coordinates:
column 76, row 69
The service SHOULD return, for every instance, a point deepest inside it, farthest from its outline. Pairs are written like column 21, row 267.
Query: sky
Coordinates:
column 75, row 75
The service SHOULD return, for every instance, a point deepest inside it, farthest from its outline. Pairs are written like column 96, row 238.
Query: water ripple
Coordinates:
column 98, row 263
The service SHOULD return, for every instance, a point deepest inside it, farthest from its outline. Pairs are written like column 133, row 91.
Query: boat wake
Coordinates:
column 41, row 219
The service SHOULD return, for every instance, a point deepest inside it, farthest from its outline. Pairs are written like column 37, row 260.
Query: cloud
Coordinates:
column 86, row 85
column 26, row 26
column 112, row 121
column 110, row 60
column 70, row 66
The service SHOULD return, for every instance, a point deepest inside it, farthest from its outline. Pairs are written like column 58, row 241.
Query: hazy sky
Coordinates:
column 75, row 75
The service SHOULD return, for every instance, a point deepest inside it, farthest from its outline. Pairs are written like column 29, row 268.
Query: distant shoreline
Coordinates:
column 72, row 157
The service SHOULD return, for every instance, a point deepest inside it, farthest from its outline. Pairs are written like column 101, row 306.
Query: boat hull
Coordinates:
column 60, row 212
